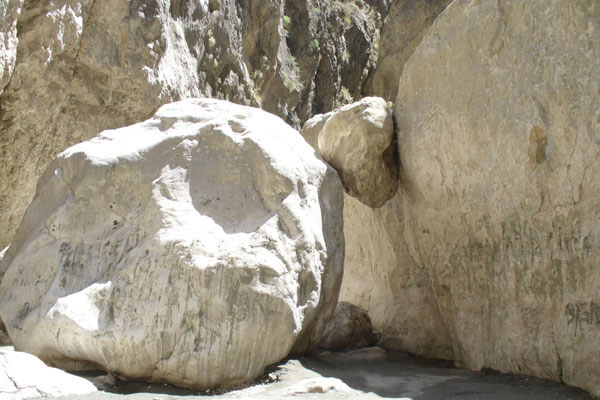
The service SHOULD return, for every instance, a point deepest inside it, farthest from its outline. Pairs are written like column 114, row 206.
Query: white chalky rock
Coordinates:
column 195, row 248
column 24, row 376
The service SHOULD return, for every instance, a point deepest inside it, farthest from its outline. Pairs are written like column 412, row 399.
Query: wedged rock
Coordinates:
column 498, row 114
column 24, row 376
column 348, row 328
column 194, row 248
column 358, row 141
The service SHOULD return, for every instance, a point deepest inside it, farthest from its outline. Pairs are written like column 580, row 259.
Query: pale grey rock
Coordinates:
column 9, row 12
column 194, row 248
column 84, row 66
column 348, row 328
column 406, row 23
column 498, row 112
column 4, row 338
column 358, row 141
column 24, row 376
column 382, row 278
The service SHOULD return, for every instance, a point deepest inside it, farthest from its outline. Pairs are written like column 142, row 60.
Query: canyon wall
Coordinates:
column 73, row 68
column 498, row 114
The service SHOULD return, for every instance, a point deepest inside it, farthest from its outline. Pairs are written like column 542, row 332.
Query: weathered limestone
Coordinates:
column 358, row 141
column 23, row 376
column 406, row 23
column 9, row 12
column 498, row 113
column 381, row 277
column 83, row 66
column 348, row 328
column 194, row 248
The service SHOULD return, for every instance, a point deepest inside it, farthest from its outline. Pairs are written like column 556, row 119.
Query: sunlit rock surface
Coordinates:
column 195, row 248
column 498, row 114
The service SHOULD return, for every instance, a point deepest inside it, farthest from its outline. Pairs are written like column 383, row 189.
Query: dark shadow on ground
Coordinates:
column 402, row 375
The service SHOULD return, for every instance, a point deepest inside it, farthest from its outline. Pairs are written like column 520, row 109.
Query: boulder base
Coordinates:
column 194, row 248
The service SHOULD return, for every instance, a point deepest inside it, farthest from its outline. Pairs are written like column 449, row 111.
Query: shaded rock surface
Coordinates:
column 83, row 66
column 358, row 141
column 381, row 277
column 348, row 328
column 498, row 111
column 194, row 248
column 406, row 23
column 24, row 376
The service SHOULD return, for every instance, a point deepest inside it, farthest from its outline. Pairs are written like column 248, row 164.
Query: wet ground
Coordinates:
column 366, row 376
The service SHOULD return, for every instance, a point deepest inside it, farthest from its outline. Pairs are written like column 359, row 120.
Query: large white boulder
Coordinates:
column 24, row 376
column 196, row 248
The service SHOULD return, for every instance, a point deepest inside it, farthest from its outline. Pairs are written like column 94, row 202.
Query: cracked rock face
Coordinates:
column 194, row 248
column 498, row 113
column 358, row 141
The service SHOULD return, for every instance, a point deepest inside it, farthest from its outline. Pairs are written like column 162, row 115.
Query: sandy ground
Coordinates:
column 342, row 376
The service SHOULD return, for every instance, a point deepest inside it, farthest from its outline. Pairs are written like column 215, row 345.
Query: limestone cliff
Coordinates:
column 498, row 114
column 83, row 66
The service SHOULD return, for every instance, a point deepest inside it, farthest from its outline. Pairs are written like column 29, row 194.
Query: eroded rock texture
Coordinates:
column 9, row 12
column 358, row 141
column 498, row 113
column 406, row 24
column 83, row 66
column 194, row 248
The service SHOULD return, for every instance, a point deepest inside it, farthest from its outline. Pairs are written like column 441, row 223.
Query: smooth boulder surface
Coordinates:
column 194, row 248
column 24, row 376
column 498, row 113
column 358, row 141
